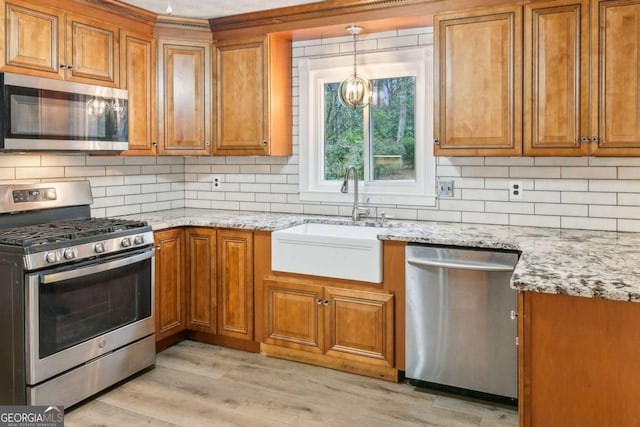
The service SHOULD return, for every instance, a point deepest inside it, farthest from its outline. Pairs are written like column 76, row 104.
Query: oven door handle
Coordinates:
column 93, row 269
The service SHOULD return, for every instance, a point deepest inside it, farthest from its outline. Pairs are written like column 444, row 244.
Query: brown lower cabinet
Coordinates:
column 351, row 327
column 204, row 282
column 169, row 283
column 579, row 361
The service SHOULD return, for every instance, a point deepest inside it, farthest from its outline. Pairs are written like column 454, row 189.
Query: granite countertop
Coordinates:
column 595, row 264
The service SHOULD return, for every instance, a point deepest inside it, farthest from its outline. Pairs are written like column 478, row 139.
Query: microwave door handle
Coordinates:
column 93, row 269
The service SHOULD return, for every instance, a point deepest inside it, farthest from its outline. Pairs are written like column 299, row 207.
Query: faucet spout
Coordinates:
column 358, row 211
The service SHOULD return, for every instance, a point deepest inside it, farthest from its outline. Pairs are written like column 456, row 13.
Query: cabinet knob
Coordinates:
column 584, row 139
column 63, row 66
column 595, row 139
column 436, row 141
column 154, row 143
column 158, row 247
column 513, row 315
column 207, row 143
column 319, row 301
column 264, row 143
column 69, row 67
column 325, row 302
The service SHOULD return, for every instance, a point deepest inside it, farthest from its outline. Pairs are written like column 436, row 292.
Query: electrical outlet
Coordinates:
column 445, row 188
column 515, row 190
column 217, row 183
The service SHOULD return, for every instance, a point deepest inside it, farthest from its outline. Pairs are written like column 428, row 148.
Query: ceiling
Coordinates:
column 212, row 8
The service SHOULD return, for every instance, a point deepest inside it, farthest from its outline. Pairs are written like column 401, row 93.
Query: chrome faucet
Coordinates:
column 358, row 211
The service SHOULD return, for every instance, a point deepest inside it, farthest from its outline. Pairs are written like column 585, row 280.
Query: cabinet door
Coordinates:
column 184, row 98
column 556, row 112
column 240, row 98
column 139, row 78
column 478, row 83
column 34, row 41
column 169, row 283
column 252, row 97
column 359, row 326
column 235, row 284
column 201, row 279
column 92, row 51
column 616, row 72
column 579, row 361
column 293, row 315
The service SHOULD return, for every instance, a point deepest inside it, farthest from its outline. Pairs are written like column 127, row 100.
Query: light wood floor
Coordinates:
column 196, row 384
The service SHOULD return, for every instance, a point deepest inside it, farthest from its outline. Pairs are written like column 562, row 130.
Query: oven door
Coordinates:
column 78, row 313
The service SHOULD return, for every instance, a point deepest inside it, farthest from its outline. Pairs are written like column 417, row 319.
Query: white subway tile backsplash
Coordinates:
column 271, row 198
column 541, row 196
column 510, row 207
column 508, row 161
column 442, row 215
column 625, row 199
column 485, row 218
column 485, row 171
column 140, row 179
column 39, row 172
column 561, row 161
column 138, row 198
column 122, row 210
column 590, row 198
column 561, row 209
column 461, row 205
column 122, row 170
column 478, row 194
column 561, row 184
column 589, row 172
column 103, row 160
column 534, row 172
column 627, row 186
column 534, row 220
column 253, row 206
column 604, row 211
column 63, row 160
column 628, row 173
column 121, row 190
column 632, row 225
column 255, row 188
column 588, row 223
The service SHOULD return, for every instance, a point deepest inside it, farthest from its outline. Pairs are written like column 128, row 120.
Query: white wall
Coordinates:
column 586, row 192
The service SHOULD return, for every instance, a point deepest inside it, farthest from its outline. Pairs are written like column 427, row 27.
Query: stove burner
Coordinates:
column 33, row 235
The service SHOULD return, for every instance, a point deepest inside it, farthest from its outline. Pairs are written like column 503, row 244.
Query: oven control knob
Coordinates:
column 138, row 240
column 52, row 257
column 126, row 242
column 98, row 248
column 70, row 253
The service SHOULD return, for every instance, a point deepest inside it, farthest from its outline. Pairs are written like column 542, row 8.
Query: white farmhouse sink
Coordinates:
column 341, row 251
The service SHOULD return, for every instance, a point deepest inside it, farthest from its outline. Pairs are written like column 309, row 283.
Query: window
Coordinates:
column 389, row 142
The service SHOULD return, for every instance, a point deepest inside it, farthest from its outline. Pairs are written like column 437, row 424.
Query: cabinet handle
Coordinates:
column 319, row 301
column 513, row 315
column 584, row 139
column 326, row 302
column 264, row 143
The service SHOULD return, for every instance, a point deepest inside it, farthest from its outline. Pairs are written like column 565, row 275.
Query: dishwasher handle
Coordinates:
column 460, row 265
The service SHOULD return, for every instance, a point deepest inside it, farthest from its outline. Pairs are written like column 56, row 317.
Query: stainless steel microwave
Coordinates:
column 40, row 114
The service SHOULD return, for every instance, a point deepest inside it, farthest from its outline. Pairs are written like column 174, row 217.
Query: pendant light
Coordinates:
column 355, row 91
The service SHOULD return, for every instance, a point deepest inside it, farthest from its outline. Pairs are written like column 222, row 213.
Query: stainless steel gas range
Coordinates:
column 76, row 295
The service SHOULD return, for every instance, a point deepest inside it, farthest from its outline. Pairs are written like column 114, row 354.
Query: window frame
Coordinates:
column 314, row 73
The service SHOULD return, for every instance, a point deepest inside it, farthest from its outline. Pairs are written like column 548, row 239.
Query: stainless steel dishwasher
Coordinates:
column 461, row 328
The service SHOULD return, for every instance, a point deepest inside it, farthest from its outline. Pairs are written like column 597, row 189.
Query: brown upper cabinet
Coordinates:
column 478, row 78
column 138, row 60
column 184, row 97
column 615, row 78
column 556, row 107
column 581, row 80
column 47, row 42
column 252, row 97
